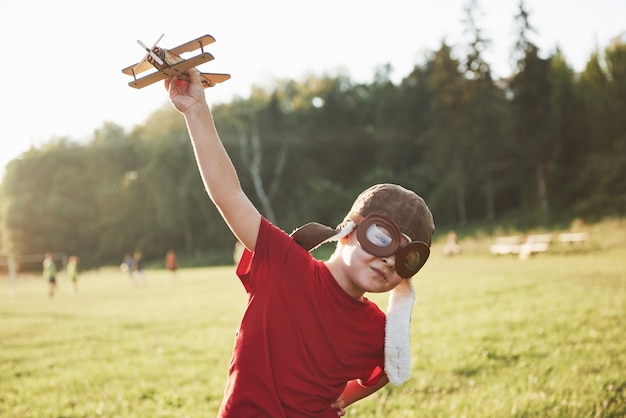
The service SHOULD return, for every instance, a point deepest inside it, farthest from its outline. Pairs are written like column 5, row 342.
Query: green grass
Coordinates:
column 492, row 337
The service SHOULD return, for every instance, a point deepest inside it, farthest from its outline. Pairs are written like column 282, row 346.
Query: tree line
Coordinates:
column 541, row 147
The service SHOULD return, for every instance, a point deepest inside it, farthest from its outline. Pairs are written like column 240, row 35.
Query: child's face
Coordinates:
column 368, row 272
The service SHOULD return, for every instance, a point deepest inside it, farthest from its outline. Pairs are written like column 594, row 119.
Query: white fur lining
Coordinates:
column 398, row 333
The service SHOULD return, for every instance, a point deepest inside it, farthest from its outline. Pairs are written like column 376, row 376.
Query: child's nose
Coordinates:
column 390, row 260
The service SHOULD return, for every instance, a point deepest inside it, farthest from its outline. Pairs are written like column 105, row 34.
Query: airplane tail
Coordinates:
column 211, row 79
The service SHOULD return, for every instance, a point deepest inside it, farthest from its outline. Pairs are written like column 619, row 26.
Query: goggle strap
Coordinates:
column 345, row 231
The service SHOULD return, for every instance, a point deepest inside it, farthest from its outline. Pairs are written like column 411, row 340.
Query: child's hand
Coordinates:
column 339, row 406
column 183, row 94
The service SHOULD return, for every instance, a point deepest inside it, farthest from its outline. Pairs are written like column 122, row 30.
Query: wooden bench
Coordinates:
column 534, row 244
column 507, row 245
column 516, row 244
column 572, row 237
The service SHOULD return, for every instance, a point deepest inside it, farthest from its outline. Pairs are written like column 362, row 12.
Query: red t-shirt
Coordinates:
column 301, row 338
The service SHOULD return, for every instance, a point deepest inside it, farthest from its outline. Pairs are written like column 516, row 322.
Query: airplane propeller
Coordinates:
column 150, row 52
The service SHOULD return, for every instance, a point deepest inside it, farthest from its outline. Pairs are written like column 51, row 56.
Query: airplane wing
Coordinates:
column 145, row 65
column 147, row 80
column 179, row 68
column 180, row 49
column 193, row 45
column 176, row 70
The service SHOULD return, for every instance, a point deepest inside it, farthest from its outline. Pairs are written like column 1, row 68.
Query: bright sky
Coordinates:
column 62, row 60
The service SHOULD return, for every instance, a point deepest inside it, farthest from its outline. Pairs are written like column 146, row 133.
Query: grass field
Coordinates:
column 492, row 337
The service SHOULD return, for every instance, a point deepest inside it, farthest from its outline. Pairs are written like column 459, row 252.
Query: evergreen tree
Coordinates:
column 487, row 113
column 533, row 121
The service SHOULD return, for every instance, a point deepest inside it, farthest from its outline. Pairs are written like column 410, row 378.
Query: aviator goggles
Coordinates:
column 379, row 235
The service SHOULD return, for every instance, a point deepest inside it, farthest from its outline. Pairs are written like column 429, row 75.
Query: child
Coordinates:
column 138, row 270
column 50, row 273
column 72, row 272
column 171, row 263
column 127, row 267
column 310, row 343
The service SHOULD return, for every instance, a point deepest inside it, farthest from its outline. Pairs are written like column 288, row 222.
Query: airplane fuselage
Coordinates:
column 166, row 56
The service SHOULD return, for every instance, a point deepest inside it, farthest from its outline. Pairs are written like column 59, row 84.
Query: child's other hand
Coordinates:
column 339, row 406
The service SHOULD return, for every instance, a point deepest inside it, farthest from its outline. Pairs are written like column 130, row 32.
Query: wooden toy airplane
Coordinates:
column 169, row 63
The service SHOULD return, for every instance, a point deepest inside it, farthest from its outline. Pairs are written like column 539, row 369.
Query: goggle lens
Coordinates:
column 411, row 260
column 377, row 236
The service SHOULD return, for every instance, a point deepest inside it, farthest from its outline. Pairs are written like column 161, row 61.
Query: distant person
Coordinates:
column 138, row 267
column 12, row 276
column 127, row 267
column 171, row 264
column 310, row 343
column 452, row 246
column 50, row 273
column 72, row 272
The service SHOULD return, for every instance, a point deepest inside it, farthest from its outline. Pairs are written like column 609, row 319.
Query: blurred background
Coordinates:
column 499, row 113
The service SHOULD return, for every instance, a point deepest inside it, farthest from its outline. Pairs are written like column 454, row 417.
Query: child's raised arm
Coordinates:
column 217, row 171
